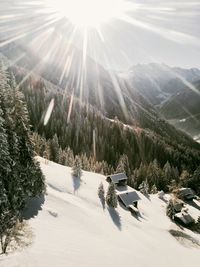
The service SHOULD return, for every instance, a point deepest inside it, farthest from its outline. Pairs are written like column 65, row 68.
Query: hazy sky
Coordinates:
column 167, row 32
column 151, row 31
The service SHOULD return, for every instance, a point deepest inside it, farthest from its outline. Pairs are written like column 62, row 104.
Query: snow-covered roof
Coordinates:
column 178, row 206
column 118, row 177
column 128, row 198
column 186, row 191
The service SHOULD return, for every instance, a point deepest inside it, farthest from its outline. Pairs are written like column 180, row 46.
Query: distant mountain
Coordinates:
column 173, row 91
column 183, row 109
column 157, row 82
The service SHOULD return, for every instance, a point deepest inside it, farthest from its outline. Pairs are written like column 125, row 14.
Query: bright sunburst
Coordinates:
column 89, row 13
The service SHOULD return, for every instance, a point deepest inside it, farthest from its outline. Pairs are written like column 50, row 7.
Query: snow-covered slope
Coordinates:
column 72, row 229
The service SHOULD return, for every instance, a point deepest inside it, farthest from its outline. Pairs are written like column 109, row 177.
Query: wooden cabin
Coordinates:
column 119, row 179
column 129, row 200
column 186, row 194
column 178, row 205
column 184, row 218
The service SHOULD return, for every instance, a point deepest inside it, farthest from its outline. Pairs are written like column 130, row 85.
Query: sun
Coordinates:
column 88, row 13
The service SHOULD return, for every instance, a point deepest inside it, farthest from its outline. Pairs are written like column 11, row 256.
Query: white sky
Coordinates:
column 165, row 31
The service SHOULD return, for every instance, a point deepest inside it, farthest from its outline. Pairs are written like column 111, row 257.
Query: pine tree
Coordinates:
column 168, row 176
column 32, row 179
column 69, row 157
column 175, row 173
column 170, row 209
column 84, row 162
column 123, row 165
column 38, row 143
column 140, row 175
column 61, row 156
column 111, row 197
column 144, row 187
column 76, row 169
column 184, row 178
column 8, row 219
column 54, row 149
column 47, row 151
column 154, row 189
column 194, row 181
column 173, row 186
column 5, row 159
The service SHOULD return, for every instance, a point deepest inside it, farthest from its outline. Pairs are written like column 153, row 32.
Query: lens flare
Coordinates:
column 89, row 13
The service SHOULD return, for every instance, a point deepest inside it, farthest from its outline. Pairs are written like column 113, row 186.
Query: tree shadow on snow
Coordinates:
column 147, row 196
column 76, row 183
column 193, row 204
column 115, row 217
column 163, row 199
column 103, row 203
column 138, row 216
column 33, row 207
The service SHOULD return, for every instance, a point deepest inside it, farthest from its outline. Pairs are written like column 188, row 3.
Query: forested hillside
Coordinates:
column 134, row 148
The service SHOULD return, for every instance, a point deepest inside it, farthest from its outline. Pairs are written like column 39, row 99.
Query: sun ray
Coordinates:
column 81, row 24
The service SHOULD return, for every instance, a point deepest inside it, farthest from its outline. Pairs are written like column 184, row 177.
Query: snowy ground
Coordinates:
column 71, row 229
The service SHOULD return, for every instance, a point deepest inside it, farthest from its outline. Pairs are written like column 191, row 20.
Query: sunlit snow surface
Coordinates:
column 71, row 229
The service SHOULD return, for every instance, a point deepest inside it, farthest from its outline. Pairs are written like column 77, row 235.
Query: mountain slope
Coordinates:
column 172, row 91
column 148, row 137
column 71, row 229
column 183, row 109
column 158, row 82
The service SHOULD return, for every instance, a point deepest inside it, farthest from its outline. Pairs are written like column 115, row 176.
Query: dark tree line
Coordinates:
column 20, row 175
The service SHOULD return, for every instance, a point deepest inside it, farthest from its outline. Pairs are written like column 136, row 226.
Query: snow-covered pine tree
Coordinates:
column 154, row 189
column 32, row 179
column 111, row 197
column 84, row 162
column 170, row 209
column 69, row 157
column 173, row 186
column 76, row 169
column 123, row 165
column 7, row 219
column 38, row 143
column 7, row 215
column 25, row 178
column 5, row 159
column 144, row 187
column 12, row 179
column 61, row 156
